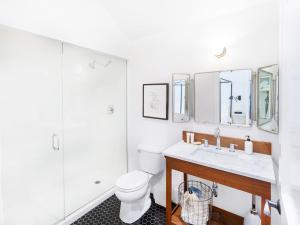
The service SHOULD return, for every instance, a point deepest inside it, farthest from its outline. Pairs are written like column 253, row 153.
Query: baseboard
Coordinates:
column 86, row 208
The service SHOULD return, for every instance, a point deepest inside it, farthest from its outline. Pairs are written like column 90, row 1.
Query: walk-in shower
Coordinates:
column 61, row 147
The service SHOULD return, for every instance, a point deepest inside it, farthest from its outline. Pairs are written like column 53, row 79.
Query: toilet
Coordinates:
column 133, row 188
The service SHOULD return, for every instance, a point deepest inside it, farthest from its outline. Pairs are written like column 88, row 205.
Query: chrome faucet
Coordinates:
column 218, row 136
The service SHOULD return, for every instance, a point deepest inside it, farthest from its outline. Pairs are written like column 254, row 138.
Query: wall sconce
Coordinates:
column 219, row 52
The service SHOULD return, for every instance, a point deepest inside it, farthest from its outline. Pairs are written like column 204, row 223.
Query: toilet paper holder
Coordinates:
column 272, row 204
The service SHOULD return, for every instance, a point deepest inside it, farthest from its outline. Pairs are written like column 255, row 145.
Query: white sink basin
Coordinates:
column 213, row 149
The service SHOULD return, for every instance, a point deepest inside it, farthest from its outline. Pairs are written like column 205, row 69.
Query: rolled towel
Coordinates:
column 196, row 191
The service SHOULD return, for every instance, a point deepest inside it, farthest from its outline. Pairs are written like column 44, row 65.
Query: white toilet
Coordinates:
column 133, row 189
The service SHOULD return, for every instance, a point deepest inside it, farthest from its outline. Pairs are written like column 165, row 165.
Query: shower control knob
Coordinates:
column 110, row 109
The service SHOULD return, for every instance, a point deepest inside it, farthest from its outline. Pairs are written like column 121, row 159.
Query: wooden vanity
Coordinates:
column 244, row 174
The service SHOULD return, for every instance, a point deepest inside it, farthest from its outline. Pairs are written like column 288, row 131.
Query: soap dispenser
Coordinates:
column 248, row 146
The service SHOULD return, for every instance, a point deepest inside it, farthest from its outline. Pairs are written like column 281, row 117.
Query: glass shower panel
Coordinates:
column 94, row 114
column 30, row 120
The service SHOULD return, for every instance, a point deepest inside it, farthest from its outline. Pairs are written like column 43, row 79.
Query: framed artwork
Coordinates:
column 156, row 101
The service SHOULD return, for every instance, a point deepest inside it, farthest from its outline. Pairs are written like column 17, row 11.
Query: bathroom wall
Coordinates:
column 251, row 38
column 289, row 116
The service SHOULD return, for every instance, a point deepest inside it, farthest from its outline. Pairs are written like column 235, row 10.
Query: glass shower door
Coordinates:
column 30, row 126
column 94, row 115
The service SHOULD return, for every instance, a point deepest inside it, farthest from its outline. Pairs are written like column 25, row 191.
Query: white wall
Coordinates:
column 1, row 193
column 289, row 114
column 251, row 38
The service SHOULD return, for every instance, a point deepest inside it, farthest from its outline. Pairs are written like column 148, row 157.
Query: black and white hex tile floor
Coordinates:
column 107, row 213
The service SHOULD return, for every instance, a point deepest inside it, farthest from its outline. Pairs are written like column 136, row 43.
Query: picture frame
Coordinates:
column 156, row 101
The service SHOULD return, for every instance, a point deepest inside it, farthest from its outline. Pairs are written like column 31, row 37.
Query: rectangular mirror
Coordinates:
column 181, row 98
column 224, row 97
column 235, row 97
column 267, row 98
column 206, row 98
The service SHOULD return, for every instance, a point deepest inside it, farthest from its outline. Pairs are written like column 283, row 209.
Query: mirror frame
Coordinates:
column 257, row 99
column 188, row 98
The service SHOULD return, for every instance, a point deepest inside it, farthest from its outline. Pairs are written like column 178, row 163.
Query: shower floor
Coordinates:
column 107, row 213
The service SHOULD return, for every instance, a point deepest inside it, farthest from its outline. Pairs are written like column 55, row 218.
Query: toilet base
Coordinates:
column 132, row 211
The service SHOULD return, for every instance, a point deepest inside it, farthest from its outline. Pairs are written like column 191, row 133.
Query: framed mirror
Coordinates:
column 236, row 97
column 224, row 97
column 267, row 98
column 181, row 98
column 206, row 97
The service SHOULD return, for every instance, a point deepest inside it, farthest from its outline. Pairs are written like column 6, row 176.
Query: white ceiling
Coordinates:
column 138, row 18
column 104, row 24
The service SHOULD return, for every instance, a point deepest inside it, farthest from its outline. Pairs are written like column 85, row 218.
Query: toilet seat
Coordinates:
column 132, row 181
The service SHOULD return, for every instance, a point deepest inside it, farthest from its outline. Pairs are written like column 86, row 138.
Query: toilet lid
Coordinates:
column 132, row 181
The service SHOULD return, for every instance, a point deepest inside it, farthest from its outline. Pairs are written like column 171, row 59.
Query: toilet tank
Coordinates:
column 151, row 159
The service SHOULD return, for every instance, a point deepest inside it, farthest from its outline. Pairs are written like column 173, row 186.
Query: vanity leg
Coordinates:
column 168, row 193
column 185, row 181
column 265, row 220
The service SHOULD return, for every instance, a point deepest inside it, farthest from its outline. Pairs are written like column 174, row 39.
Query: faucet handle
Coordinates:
column 205, row 142
column 217, row 132
column 232, row 147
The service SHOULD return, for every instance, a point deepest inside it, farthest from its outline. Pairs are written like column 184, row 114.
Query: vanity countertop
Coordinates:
column 256, row 166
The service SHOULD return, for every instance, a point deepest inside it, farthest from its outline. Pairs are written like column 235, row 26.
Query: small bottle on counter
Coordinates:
column 188, row 138
column 192, row 138
column 248, row 146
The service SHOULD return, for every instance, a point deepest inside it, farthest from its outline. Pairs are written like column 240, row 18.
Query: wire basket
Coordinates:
column 196, row 199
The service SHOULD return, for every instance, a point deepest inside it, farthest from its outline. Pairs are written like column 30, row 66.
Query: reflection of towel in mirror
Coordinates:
column 194, row 210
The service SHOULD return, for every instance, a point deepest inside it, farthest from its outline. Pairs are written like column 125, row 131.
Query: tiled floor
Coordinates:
column 107, row 213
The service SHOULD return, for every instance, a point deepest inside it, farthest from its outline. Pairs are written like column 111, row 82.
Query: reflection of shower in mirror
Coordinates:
column 267, row 98
column 235, row 97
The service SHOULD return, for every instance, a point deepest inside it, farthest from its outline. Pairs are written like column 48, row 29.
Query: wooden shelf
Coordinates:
column 176, row 216
column 226, row 218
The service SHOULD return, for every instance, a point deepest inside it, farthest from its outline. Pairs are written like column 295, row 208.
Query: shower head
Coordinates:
column 105, row 64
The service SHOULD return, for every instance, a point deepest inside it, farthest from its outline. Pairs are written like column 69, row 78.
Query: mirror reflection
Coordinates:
column 235, row 97
column 267, row 98
column 224, row 97
column 181, row 83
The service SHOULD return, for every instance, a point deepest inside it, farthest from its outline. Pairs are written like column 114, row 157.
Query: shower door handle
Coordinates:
column 55, row 142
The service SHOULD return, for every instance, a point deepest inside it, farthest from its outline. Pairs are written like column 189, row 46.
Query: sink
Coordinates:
column 212, row 156
column 257, row 166
column 213, row 149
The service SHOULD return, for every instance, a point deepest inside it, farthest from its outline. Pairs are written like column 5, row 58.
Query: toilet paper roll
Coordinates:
column 267, row 210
